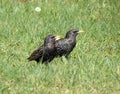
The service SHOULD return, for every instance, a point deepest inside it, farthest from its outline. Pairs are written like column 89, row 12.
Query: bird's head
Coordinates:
column 51, row 39
column 73, row 33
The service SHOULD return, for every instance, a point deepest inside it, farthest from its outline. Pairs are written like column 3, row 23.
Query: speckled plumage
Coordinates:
column 65, row 45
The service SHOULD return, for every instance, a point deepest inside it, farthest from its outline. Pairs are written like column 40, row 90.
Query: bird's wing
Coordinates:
column 37, row 53
column 62, row 46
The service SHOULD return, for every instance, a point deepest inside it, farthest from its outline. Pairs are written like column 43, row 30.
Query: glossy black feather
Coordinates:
column 44, row 52
column 65, row 45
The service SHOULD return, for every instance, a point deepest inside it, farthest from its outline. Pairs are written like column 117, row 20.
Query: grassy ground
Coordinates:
column 93, row 66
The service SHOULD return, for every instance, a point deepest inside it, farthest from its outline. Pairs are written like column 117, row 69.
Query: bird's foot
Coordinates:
column 64, row 59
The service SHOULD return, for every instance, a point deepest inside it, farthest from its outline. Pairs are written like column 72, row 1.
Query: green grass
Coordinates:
column 92, row 68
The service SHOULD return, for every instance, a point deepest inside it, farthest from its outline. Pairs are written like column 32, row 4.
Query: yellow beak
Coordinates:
column 57, row 37
column 81, row 31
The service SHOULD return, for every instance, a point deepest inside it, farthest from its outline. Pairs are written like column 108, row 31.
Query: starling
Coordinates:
column 46, row 51
column 64, row 46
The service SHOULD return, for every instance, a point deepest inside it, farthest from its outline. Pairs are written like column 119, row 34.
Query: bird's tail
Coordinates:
column 29, row 58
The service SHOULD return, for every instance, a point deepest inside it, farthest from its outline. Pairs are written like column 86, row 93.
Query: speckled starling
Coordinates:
column 45, row 52
column 64, row 46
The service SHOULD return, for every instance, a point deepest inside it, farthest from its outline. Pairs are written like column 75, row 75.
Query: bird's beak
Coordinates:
column 57, row 37
column 81, row 31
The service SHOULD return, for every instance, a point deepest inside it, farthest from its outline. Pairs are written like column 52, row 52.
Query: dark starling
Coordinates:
column 64, row 46
column 46, row 51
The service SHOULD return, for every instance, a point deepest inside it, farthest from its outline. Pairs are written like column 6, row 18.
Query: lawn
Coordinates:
column 92, row 68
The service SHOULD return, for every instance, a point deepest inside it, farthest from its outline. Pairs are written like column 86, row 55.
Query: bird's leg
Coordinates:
column 46, row 63
column 64, row 59
column 50, row 59
column 37, row 60
column 67, row 56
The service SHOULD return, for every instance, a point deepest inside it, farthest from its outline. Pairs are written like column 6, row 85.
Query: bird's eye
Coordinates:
column 53, row 37
column 74, row 31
